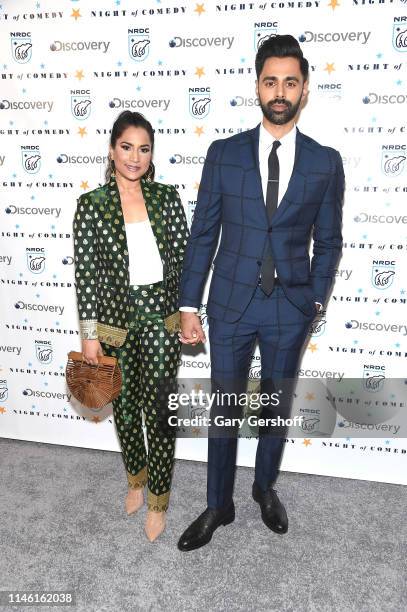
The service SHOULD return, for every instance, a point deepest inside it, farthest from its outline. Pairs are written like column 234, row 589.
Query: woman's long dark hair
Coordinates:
column 129, row 119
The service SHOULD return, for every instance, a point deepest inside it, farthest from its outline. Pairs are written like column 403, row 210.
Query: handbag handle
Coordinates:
column 102, row 360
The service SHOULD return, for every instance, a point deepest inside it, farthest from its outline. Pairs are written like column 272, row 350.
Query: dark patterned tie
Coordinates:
column 267, row 268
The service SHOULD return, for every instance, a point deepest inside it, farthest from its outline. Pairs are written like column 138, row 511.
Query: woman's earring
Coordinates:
column 150, row 173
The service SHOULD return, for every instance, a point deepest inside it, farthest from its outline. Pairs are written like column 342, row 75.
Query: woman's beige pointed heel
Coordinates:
column 134, row 500
column 155, row 524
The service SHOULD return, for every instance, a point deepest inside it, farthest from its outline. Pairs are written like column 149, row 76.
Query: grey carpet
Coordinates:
column 63, row 526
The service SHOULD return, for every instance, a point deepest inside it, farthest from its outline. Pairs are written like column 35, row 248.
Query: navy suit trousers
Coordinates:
column 280, row 328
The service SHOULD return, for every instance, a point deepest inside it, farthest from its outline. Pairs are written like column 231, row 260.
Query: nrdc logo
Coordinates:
column 21, row 46
column 43, row 351
column 199, row 102
column 3, row 390
column 400, row 34
column 318, row 325
column 190, row 211
column 393, row 159
column 36, row 260
column 139, row 43
column 31, row 158
column 203, row 316
column 255, row 372
column 373, row 377
column 81, row 104
column 263, row 31
column 383, row 273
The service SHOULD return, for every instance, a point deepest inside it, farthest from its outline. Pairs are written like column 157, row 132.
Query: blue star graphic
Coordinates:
column 360, row 290
column 243, row 59
column 379, row 55
column 387, row 441
column 402, row 291
column 33, row 197
column 399, row 82
column 348, row 439
column 364, row 236
column 42, row 66
column 160, row 62
column 355, row 341
column 397, row 345
column 119, row 63
column 377, row 312
column 138, row 88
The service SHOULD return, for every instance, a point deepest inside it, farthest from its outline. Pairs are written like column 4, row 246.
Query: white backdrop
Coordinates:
column 68, row 68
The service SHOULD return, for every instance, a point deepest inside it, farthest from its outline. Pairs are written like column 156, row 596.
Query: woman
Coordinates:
column 129, row 241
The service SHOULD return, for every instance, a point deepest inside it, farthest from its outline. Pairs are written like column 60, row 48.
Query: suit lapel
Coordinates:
column 152, row 199
column 295, row 184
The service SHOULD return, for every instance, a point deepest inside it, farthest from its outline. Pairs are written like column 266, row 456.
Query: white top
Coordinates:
column 145, row 265
column 285, row 154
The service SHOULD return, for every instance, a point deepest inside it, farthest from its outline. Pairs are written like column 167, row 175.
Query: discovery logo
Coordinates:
column 366, row 217
column 80, row 45
column 187, row 159
column 202, row 41
column 394, row 328
column 375, row 98
column 334, row 37
column 239, row 101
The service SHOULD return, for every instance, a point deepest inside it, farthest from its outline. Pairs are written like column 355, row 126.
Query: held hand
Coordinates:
column 90, row 351
column 191, row 329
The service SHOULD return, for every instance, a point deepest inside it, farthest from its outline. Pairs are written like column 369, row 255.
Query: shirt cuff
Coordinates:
column 188, row 309
column 320, row 305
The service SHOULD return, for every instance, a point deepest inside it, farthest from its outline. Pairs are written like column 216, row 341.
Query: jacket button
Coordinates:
column 270, row 229
column 258, row 262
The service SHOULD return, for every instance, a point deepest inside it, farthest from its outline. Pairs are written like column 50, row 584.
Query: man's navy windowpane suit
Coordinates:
column 230, row 199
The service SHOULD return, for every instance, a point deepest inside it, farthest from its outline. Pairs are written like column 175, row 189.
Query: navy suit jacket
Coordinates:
column 230, row 199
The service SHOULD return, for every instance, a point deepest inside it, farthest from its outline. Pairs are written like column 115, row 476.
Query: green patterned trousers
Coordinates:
column 148, row 360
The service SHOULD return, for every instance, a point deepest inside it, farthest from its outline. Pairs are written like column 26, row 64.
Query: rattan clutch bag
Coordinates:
column 93, row 386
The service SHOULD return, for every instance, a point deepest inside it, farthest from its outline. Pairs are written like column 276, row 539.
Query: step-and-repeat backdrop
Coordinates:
column 67, row 69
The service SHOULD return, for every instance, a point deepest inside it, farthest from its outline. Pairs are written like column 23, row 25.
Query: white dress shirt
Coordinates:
column 142, row 248
column 285, row 154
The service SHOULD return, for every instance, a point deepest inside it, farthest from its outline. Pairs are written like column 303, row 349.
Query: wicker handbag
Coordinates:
column 94, row 386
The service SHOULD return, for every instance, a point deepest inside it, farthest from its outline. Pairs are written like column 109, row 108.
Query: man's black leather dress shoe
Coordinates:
column 200, row 532
column 272, row 510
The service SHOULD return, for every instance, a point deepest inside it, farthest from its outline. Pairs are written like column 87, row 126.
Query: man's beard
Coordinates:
column 280, row 117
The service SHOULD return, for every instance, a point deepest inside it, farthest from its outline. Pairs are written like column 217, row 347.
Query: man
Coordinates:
column 268, row 190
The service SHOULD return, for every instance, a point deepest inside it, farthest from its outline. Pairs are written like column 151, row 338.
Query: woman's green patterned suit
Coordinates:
column 136, row 324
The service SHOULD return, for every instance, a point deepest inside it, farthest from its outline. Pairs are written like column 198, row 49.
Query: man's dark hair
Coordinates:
column 281, row 45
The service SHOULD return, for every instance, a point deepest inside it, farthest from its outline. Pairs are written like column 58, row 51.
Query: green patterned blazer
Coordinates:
column 102, row 259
